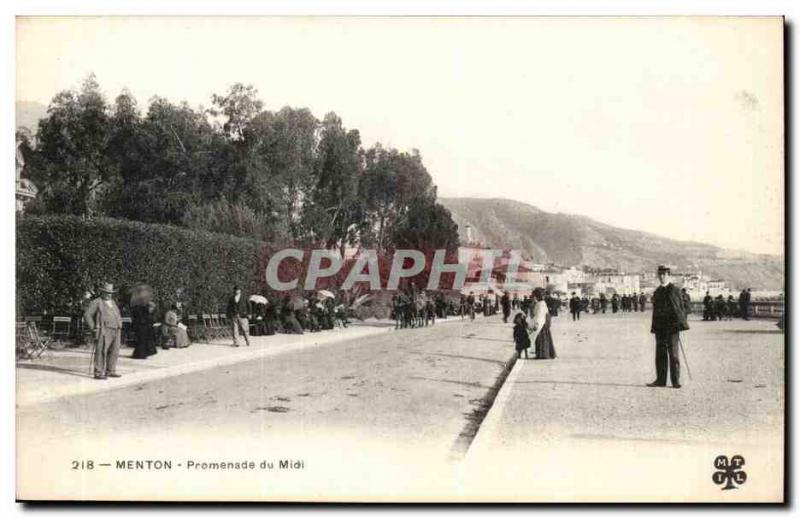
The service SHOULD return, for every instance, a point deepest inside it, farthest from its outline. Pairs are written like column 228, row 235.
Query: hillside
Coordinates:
column 577, row 240
column 28, row 114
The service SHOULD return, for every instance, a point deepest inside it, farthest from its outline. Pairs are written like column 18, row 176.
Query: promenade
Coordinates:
column 443, row 412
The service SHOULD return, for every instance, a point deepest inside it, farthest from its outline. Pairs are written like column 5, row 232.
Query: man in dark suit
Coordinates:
column 237, row 312
column 669, row 319
column 575, row 307
column 505, row 303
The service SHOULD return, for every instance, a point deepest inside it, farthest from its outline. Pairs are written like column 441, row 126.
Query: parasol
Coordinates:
column 258, row 299
column 326, row 294
column 141, row 295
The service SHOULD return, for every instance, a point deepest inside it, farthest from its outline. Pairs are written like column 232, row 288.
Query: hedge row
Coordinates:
column 59, row 258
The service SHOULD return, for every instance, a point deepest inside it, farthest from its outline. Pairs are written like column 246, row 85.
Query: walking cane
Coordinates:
column 685, row 360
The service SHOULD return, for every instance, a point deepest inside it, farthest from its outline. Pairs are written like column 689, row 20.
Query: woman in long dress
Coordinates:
column 543, row 340
column 142, row 323
column 172, row 330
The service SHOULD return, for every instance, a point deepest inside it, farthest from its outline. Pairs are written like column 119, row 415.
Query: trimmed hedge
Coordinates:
column 59, row 258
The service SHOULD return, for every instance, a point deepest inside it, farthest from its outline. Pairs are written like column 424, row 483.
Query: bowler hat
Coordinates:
column 107, row 288
column 663, row 268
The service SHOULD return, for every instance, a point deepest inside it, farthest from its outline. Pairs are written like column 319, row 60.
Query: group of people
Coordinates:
column 416, row 308
column 719, row 308
column 669, row 319
column 288, row 315
column 537, row 332
column 103, row 319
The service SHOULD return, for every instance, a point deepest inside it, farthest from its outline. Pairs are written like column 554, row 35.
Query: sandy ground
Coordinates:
column 586, row 424
column 383, row 418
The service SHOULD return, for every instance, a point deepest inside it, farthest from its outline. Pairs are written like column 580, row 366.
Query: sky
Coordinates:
column 668, row 125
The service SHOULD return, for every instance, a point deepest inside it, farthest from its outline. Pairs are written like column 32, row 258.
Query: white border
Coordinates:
column 9, row 9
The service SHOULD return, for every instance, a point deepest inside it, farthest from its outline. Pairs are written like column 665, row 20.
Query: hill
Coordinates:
column 28, row 114
column 569, row 240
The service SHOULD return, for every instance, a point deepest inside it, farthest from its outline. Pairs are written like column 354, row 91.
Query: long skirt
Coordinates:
column 545, row 350
column 177, row 334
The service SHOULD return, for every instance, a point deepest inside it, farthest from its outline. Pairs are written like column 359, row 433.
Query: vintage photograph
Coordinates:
column 400, row 259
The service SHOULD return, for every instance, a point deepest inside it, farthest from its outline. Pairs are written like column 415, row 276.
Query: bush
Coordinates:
column 59, row 258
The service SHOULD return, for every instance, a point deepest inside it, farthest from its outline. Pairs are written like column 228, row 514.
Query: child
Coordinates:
column 521, row 339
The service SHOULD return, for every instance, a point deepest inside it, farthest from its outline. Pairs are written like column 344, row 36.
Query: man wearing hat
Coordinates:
column 103, row 318
column 237, row 312
column 669, row 319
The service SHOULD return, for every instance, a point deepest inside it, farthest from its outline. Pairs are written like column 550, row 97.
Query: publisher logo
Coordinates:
column 730, row 472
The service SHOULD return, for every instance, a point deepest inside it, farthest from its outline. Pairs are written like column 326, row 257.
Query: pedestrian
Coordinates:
column 237, row 315
column 614, row 303
column 669, row 319
column 575, row 307
column 743, row 304
column 719, row 308
column 731, row 307
column 708, row 307
column 522, row 341
column 747, row 298
column 471, row 305
column 543, row 339
column 142, row 324
column 103, row 318
column 505, row 304
column 642, row 302
column 687, row 301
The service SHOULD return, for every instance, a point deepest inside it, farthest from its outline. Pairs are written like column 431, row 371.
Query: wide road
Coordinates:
column 391, row 416
column 418, row 391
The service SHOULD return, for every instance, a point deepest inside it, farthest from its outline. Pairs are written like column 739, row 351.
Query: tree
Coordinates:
column 239, row 106
column 333, row 209
column 391, row 181
column 71, row 164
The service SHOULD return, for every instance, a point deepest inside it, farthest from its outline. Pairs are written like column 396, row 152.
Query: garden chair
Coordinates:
column 62, row 326
column 223, row 331
column 211, row 329
column 195, row 328
column 34, row 345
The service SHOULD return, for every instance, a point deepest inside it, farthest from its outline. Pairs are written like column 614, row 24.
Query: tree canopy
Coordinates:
column 236, row 168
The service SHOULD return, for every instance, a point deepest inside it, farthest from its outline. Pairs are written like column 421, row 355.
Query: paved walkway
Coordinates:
column 67, row 372
column 586, row 425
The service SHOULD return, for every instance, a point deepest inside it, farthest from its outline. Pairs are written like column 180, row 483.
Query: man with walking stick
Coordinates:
column 102, row 317
column 669, row 319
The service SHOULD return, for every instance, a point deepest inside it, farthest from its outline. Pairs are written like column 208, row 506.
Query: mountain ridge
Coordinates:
column 574, row 239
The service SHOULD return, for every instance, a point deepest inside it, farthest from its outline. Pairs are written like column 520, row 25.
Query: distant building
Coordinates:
column 26, row 190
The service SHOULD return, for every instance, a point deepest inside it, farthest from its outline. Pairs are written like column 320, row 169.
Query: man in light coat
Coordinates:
column 102, row 316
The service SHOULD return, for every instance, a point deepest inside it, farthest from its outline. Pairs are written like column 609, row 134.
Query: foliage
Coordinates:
column 60, row 258
column 282, row 176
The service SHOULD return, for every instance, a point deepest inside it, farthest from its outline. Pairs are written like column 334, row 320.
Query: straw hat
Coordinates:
column 107, row 288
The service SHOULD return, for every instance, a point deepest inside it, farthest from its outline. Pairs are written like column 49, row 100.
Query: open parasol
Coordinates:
column 141, row 295
column 259, row 299
column 326, row 294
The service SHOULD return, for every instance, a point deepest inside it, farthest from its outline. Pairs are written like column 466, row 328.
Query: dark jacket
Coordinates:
column 669, row 313
column 239, row 309
column 522, row 340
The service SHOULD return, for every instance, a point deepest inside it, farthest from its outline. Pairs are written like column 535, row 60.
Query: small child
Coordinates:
column 522, row 341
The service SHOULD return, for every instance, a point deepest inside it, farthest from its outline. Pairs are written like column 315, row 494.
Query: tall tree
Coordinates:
column 72, row 166
column 332, row 213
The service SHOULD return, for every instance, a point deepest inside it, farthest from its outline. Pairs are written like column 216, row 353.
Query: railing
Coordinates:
column 758, row 309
